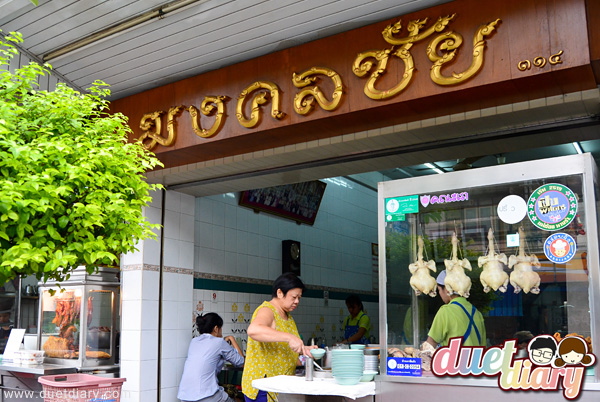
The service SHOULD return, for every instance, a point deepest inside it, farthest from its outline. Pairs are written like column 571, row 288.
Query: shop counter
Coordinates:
column 36, row 369
column 20, row 382
column 295, row 388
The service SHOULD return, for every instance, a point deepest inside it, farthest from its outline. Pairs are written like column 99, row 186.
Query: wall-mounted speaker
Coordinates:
column 290, row 256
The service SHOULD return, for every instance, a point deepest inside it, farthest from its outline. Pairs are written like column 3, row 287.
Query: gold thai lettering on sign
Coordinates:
column 153, row 120
column 540, row 61
column 304, row 100
column 450, row 42
column 208, row 107
column 401, row 49
column 149, row 121
column 441, row 50
column 260, row 99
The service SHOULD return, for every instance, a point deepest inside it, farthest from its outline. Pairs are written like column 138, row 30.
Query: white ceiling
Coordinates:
column 206, row 35
column 202, row 36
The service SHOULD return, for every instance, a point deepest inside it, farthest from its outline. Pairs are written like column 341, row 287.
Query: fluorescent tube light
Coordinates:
column 577, row 147
column 157, row 13
column 434, row 168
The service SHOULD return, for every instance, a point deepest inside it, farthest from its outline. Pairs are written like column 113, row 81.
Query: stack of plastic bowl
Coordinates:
column 347, row 366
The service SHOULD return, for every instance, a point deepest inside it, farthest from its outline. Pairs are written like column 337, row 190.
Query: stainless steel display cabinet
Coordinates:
column 547, row 209
column 78, row 319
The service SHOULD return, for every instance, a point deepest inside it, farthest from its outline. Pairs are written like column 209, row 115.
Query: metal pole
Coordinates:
column 18, row 303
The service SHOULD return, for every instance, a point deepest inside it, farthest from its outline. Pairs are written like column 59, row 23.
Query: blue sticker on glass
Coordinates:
column 404, row 366
column 560, row 248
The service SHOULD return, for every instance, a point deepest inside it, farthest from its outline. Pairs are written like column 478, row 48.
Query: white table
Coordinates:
column 295, row 385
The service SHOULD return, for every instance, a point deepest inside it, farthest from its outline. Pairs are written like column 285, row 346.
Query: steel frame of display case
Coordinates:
column 102, row 280
column 389, row 387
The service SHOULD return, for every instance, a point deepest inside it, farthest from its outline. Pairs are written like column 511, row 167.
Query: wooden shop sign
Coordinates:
column 451, row 58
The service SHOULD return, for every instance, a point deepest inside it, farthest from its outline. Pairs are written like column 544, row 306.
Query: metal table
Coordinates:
column 19, row 382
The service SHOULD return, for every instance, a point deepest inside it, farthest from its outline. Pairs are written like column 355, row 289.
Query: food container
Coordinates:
column 323, row 374
column 28, row 357
column 78, row 320
column 326, row 362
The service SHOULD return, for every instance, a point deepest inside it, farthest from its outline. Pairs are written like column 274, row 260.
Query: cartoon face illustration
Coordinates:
column 573, row 351
column 542, row 350
column 542, row 356
column 572, row 357
column 560, row 247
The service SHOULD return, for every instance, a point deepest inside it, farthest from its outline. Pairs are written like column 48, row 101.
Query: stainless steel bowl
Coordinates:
column 98, row 339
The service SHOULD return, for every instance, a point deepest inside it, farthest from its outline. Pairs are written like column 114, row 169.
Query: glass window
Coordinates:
column 558, row 305
column 99, row 322
column 61, row 323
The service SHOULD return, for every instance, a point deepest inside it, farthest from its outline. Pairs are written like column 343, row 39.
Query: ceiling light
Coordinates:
column 577, row 147
column 434, row 168
column 158, row 13
column 405, row 172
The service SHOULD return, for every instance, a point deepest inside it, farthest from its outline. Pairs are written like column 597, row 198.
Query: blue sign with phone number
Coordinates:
column 404, row 366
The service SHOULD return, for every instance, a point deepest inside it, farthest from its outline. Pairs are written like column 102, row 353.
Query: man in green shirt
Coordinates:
column 457, row 318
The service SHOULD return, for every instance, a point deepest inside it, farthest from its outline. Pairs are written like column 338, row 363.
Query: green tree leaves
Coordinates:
column 71, row 186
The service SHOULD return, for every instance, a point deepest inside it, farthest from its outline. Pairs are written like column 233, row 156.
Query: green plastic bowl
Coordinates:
column 317, row 353
column 368, row 376
column 358, row 346
column 347, row 380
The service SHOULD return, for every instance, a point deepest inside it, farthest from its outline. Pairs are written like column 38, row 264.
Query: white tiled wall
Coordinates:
column 139, row 333
column 140, row 303
column 311, row 312
column 215, row 235
column 336, row 250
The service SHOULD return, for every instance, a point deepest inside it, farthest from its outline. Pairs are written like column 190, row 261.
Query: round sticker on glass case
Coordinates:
column 552, row 206
column 560, row 248
column 512, row 209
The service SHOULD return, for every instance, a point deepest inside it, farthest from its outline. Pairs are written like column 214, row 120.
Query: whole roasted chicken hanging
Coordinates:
column 421, row 281
column 493, row 275
column 523, row 276
column 456, row 281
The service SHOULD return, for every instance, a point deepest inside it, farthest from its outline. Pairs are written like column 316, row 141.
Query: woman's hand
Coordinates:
column 306, row 350
column 231, row 340
column 296, row 344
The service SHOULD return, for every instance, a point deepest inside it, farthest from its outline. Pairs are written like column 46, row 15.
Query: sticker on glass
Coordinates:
column 404, row 366
column 512, row 209
column 552, row 206
column 397, row 207
column 560, row 248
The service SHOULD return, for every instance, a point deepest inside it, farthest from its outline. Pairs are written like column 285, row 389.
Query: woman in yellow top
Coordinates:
column 273, row 341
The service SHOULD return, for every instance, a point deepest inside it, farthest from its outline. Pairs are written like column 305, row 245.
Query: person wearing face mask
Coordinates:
column 273, row 340
column 206, row 356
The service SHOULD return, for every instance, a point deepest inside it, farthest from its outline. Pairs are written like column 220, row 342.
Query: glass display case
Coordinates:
column 78, row 319
column 524, row 235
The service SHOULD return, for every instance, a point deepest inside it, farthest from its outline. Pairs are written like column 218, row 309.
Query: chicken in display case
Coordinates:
column 518, row 242
column 78, row 319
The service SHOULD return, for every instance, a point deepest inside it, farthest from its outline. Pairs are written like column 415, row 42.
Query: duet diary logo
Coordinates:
column 546, row 367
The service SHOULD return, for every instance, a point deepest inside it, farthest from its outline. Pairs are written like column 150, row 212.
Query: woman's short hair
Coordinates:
column 206, row 323
column 287, row 282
